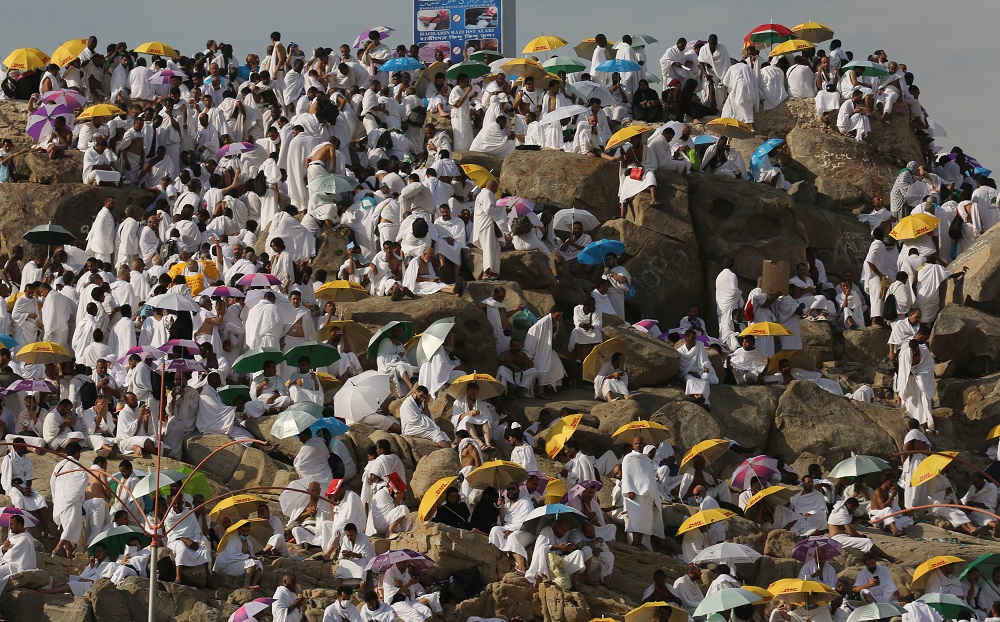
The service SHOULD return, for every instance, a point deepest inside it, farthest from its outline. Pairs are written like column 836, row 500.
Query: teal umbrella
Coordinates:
column 876, row 611
column 564, row 63
column 985, row 564
column 865, row 68
column 116, row 539
column 383, row 334
column 319, row 354
column 472, row 68
column 311, row 408
column 332, row 184
column 949, row 606
column 253, row 360
column 857, row 466
column 485, row 56
column 291, row 422
column 230, row 392
column 724, row 600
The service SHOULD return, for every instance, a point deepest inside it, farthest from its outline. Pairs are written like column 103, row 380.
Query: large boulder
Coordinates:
column 980, row 288
column 331, row 251
column 491, row 163
column 813, row 425
column 563, row 180
column 526, row 268
column 237, row 466
column 13, row 120
column 71, row 206
column 474, row 342
column 38, row 168
column 968, row 337
column 441, row 463
column 648, row 361
column 869, row 345
column 453, row 550
column 745, row 413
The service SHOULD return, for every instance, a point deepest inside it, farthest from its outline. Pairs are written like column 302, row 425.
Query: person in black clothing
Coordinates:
column 453, row 512
column 646, row 104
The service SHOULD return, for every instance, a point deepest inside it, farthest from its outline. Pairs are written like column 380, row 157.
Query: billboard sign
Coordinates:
column 457, row 28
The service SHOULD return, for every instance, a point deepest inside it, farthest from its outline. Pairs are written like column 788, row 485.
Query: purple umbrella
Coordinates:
column 381, row 563
column 259, row 279
column 73, row 99
column 221, row 291
column 235, row 149
column 29, row 520
column 761, row 467
column 808, row 547
column 43, row 121
column 191, row 346
column 28, row 384
column 383, row 31
column 184, row 365
column 163, row 77
column 250, row 610
column 144, row 352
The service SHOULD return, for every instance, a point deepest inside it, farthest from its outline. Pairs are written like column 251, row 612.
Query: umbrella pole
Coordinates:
column 151, row 613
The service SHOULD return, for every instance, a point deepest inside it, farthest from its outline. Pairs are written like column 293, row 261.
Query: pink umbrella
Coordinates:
column 381, row 563
column 27, row 384
column 259, row 279
column 221, row 291
column 518, row 205
column 235, row 149
column 191, row 346
column 29, row 520
column 761, row 467
column 250, row 610
column 383, row 31
column 184, row 365
column 43, row 121
column 809, row 545
column 144, row 352
column 647, row 324
column 163, row 77
column 73, row 99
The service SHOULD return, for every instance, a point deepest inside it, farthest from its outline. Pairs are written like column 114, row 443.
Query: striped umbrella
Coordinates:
column 761, row 467
column 235, row 149
column 42, row 122
column 164, row 76
column 73, row 99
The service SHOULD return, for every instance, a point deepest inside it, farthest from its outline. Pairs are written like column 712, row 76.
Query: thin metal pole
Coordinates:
column 151, row 613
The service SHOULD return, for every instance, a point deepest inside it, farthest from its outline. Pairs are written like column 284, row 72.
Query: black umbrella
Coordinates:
column 49, row 235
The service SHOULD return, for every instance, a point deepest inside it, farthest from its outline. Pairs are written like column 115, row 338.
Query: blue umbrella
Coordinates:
column 542, row 517
column 593, row 254
column 619, row 65
column 402, row 63
column 704, row 139
column 336, row 426
column 760, row 153
column 8, row 342
column 983, row 171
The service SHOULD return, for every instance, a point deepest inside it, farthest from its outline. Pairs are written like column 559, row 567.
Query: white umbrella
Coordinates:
column 296, row 497
column 173, row 301
column 564, row 219
column 361, row 395
column 147, row 485
column 497, row 64
column 291, row 422
column 936, row 129
column 433, row 338
column 876, row 611
column 287, row 312
column 586, row 89
column 564, row 112
column 858, row 465
column 727, row 553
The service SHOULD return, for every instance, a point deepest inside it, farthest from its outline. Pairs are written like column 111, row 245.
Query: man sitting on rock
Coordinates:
column 843, row 532
column 18, row 551
column 416, row 420
column 874, row 583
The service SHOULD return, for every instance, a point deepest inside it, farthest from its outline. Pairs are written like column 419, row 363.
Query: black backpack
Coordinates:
column 890, row 312
column 955, row 228
column 88, row 394
column 419, row 228
column 462, row 585
column 417, row 116
column 168, row 249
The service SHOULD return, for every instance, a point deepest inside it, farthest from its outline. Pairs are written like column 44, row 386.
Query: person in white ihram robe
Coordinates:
column 416, row 421
column 440, row 369
column 508, row 537
column 485, row 215
column 17, row 466
column 744, row 95
column 811, row 506
column 312, row 462
column 460, row 100
column 236, row 557
column 927, row 290
column 915, row 383
column 641, row 498
column 549, row 537
column 696, row 369
column 772, row 87
column 538, row 346
column 101, row 237
column 19, row 556
column 25, row 316
column 68, row 484
column 625, row 51
column 264, row 326
column 494, row 139
column 284, row 608
column 354, row 555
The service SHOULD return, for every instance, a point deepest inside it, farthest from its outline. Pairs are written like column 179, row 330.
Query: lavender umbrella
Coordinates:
column 381, row 563
column 184, row 365
column 28, row 384
column 761, row 467
column 29, row 520
column 144, row 352
column 73, row 99
column 250, row 610
column 163, row 77
column 221, row 291
column 191, row 346
column 258, row 279
column 235, row 149
column 42, row 122
column 383, row 31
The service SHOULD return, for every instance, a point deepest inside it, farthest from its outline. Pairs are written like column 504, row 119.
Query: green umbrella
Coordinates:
column 726, row 599
column 319, row 354
column 865, row 68
column 332, row 184
column 311, row 408
column 564, row 63
column 230, row 392
column 857, row 466
column 382, row 334
column 950, row 607
column 116, row 539
column 485, row 56
column 291, row 422
column 253, row 360
column 472, row 68
column 985, row 564
column 198, row 485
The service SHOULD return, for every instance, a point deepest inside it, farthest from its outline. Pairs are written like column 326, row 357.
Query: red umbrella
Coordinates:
column 769, row 34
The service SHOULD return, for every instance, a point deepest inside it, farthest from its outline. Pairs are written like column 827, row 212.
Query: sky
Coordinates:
column 948, row 56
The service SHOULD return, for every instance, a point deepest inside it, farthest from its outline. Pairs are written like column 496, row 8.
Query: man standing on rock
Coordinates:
column 539, row 345
column 101, row 237
column 641, row 497
column 915, row 382
column 486, row 215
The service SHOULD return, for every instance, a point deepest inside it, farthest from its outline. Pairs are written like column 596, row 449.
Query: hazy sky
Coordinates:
column 947, row 51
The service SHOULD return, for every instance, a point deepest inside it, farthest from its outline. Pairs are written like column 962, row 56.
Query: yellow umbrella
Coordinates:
column 776, row 495
column 729, row 127
column 931, row 466
column 68, row 52
column 496, row 473
column 703, row 518
column 356, row 334
column 156, row 48
column 796, row 358
column 479, row 175
column 765, row 329
column 560, row 432
column 798, row 590
column 25, row 59
column 790, row 47
column 235, row 507
column 585, row 48
column 545, row 43
column 920, row 574
column 260, row 531
column 813, row 32
column 625, row 134
column 765, row 596
column 994, row 433
column 650, row 431
column 525, row 67
column 489, row 387
column 433, row 495
column 555, row 490
column 710, row 450
column 100, row 110
column 42, row 352
column 326, row 380
column 600, row 355
column 646, row 611
column 914, row 226
column 342, row 291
